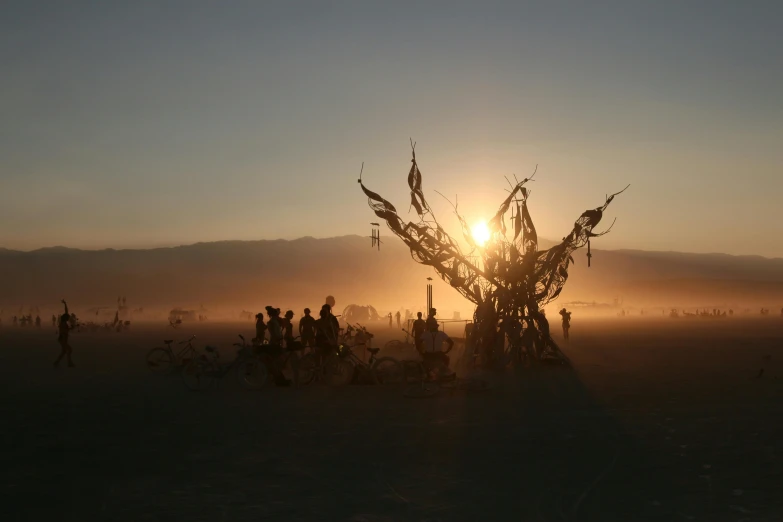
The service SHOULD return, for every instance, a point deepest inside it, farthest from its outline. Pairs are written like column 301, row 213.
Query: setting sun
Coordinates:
column 480, row 233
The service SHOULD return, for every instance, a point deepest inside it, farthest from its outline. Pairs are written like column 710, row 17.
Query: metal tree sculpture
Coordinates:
column 508, row 278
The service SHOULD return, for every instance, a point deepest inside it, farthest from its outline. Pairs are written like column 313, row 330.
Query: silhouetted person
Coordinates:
column 54, row 320
column 398, row 316
column 419, row 326
column 325, row 335
column 431, row 320
column 288, row 328
column 62, row 338
column 432, row 348
column 566, row 322
column 333, row 322
column 274, row 349
column 260, row 329
column 307, row 329
column 116, row 317
column 37, row 321
column 390, row 319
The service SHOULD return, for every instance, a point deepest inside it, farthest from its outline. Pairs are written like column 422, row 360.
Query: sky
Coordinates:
column 141, row 124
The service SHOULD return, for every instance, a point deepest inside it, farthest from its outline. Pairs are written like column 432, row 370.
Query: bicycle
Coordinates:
column 202, row 372
column 384, row 370
column 431, row 380
column 396, row 344
column 328, row 367
column 163, row 360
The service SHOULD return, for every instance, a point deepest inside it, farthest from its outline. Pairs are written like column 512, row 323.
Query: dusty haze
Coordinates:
column 229, row 276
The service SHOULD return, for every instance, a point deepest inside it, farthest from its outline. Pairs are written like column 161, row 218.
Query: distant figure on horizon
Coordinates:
column 566, row 322
column 62, row 338
column 390, row 319
column 54, row 320
column 116, row 317
column 419, row 327
column 37, row 321
column 399, row 317
column 260, row 329
column 307, row 329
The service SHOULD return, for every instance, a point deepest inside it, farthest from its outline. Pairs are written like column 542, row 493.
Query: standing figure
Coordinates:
column 116, row 317
column 326, row 337
column 54, row 320
column 566, row 322
column 62, row 338
column 399, row 317
column 419, row 325
column 288, row 328
column 390, row 319
column 274, row 349
column 435, row 359
column 37, row 321
column 307, row 329
column 260, row 329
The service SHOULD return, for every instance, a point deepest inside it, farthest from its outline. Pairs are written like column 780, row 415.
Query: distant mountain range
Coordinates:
column 232, row 275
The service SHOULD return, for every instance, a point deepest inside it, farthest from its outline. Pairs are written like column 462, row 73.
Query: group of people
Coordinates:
column 25, row 320
column 432, row 344
column 277, row 334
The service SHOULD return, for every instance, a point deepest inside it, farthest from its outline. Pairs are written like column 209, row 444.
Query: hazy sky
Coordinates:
column 134, row 124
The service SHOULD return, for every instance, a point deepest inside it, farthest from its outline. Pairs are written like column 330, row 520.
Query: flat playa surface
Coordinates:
column 659, row 419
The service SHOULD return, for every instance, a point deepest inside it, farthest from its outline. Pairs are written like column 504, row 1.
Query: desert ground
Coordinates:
column 659, row 419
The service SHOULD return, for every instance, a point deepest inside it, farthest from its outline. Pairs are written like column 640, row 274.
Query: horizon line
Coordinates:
column 185, row 245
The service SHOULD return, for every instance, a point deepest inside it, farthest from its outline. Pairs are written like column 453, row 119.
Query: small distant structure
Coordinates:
column 360, row 314
column 180, row 315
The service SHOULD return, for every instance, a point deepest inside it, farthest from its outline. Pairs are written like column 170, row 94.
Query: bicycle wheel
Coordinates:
column 388, row 370
column 307, row 369
column 422, row 389
column 290, row 367
column 338, row 372
column 252, row 373
column 413, row 372
column 160, row 360
column 198, row 374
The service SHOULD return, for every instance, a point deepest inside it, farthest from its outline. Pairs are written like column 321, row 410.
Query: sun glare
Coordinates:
column 480, row 233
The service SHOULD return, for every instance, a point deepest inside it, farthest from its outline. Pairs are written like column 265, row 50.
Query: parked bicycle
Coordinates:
column 396, row 344
column 384, row 370
column 164, row 360
column 202, row 372
column 329, row 368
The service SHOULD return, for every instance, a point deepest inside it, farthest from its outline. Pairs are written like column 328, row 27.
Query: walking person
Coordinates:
column 62, row 338
column 399, row 317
